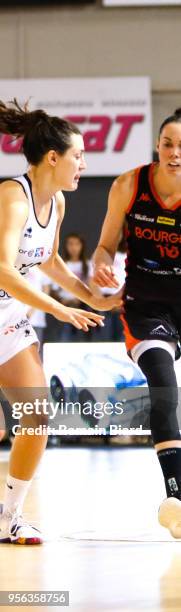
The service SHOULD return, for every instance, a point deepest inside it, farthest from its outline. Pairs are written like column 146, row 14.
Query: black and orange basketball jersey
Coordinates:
column 153, row 264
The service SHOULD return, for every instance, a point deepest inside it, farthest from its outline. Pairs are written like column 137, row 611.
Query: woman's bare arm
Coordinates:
column 13, row 216
column 60, row 273
column 120, row 196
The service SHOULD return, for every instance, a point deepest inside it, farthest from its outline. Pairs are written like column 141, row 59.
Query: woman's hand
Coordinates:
column 104, row 276
column 108, row 303
column 81, row 319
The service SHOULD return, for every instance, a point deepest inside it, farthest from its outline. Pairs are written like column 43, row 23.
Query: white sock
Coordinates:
column 15, row 493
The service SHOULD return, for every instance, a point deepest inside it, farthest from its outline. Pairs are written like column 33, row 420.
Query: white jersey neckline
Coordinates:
column 25, row 181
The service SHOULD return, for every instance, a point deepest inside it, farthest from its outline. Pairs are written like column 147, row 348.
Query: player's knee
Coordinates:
column 157, row 365
column 35, row 417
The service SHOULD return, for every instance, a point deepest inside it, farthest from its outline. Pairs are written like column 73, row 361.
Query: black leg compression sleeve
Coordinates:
column 157, row 365
column 170, row 461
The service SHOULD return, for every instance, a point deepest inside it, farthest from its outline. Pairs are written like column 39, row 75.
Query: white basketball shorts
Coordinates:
column 15, row 337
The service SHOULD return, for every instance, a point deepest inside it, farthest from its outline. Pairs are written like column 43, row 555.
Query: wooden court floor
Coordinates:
column 98, row 510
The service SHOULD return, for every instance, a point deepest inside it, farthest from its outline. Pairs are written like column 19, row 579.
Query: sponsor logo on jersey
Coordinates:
column 157, row 235
column 28, row 232
column 13, row 328
column 151, row 263
column 129, row 297
column 22, row 323
column 177, row 271
column 166, row 220
column 27, row 332
column 26, row 267
column 29, row 253
column 39, row 252
column 153, row 271
column 4, row 294
column 144, row 198
column 9, row 330
column 142, row 217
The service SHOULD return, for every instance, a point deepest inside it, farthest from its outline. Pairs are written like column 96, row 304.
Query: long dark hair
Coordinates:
column 40, row 131
column 175, row 118
column 83, row 254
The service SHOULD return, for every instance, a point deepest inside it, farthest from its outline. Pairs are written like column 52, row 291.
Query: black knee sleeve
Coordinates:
column 157, row 365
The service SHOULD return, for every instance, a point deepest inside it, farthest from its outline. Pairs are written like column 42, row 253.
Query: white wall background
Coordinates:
column 92, row 41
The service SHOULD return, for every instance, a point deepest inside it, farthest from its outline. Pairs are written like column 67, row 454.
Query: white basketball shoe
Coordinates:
column 14, row 530
column 169, row 515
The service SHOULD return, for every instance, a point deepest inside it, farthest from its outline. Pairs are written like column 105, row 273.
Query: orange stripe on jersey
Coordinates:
column 130, row 341
column 136, row 179
column 154, row 191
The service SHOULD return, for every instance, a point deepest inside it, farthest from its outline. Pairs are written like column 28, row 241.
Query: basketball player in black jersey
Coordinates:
column 148, row 199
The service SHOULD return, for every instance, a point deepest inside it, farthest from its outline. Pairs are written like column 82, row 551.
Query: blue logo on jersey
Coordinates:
column 28, row 233
column 39, row 252
column 152, row 264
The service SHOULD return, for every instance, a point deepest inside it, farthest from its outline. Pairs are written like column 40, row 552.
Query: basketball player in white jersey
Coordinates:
column 31, row 212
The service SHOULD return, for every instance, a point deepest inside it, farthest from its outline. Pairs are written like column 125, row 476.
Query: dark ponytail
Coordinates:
column 175, row 118
column 40, row 131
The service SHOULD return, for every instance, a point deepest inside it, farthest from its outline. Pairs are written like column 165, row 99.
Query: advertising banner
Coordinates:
column 114, row 115
column 141, row 3
column 98, row 389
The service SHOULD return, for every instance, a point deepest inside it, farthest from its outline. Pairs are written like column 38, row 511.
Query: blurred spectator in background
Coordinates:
column 74, row 253
column 37, row 317
column 113, row 330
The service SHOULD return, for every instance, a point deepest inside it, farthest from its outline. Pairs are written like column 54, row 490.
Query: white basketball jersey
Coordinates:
column 35, row 247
